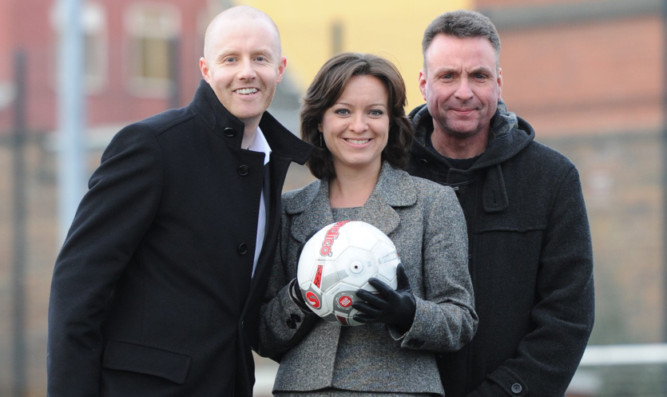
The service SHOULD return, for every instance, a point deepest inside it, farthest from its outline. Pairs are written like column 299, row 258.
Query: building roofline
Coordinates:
column 524, row 17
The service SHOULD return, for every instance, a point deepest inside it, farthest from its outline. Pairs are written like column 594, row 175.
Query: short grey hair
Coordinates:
column 461, row 24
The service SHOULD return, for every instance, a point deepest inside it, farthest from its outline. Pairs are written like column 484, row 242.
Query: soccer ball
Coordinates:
column 337, row 261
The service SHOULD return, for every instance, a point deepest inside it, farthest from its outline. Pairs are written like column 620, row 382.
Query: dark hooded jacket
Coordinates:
column 531, row 261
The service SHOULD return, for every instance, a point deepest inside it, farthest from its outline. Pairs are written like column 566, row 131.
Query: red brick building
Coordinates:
column 582, row 67
column 125, row 44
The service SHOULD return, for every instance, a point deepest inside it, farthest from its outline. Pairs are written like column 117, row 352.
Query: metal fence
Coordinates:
column 622, row 371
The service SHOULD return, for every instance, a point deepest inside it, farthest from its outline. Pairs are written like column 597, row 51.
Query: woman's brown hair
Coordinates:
column 327, row 87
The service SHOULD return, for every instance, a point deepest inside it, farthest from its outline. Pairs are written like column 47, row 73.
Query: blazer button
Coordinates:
column 242, row 170
column 229, row 132
column 293, row 321
column 516, row 388
column 242, row 249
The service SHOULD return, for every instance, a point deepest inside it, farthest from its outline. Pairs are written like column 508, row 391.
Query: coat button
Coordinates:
column 516, row 388
column 242, row 248
column 293, row 321
column 229, row 132
column 242, row 170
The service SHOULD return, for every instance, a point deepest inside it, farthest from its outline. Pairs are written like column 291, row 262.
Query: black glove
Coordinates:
column 396, row 308
column 294, row 290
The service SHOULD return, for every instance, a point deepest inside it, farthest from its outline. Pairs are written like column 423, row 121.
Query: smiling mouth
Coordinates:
column 246, row 91
column 357, row 141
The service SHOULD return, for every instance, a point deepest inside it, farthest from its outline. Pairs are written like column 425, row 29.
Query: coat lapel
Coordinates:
column 312, row 202
column 394, row 189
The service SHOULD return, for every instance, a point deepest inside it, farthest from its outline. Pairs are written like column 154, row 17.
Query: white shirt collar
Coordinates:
column 260, row 144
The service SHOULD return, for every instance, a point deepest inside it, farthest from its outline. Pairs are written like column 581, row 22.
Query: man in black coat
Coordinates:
column 529, row 240
column 156, row 289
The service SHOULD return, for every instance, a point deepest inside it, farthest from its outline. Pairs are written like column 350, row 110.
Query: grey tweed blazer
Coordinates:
column 425, row 222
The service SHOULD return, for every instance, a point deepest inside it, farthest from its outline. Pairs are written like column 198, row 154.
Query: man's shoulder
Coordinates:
column 151, row 129
column 544, row 154
column 538, row 169
column 283, row 141
column 164, row 121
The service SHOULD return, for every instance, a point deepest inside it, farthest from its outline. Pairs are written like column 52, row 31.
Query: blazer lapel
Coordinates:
column 393, row 189
column 313, row 204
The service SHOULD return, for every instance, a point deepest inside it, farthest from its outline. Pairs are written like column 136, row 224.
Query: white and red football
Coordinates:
column 337, row 261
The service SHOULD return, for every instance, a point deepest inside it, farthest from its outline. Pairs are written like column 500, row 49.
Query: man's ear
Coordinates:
column 422, row 83
column 203, row 68
column 281, row 69
column 500, row 80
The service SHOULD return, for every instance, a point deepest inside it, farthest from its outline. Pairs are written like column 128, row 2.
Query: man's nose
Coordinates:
column 247, row 69
column 463, row 91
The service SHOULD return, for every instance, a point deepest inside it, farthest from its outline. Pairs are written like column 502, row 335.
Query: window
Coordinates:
column 152, row 30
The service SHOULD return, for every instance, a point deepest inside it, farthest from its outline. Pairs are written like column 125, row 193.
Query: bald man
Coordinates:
column 156, row 289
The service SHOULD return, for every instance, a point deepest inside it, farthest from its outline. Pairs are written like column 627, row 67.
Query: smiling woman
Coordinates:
column 328, row 88
column 355, row 130
column 354, row 107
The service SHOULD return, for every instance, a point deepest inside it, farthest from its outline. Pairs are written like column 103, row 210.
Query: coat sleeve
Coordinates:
column 111, row 219
column 445, row 317
column 563, row 314
column 282, row 323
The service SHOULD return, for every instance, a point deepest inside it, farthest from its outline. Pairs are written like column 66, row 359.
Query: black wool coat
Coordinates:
column 152, row 293
column 530, row 262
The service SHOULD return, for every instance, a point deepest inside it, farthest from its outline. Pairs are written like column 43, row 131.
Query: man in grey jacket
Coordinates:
column 529, row 240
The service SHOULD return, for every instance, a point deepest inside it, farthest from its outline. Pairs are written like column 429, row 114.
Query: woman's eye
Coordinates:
column 342, row 112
